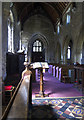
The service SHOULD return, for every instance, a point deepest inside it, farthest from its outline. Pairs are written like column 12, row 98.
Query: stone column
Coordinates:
column 61, row 61
column 78, row 55
column 29, row 53
column 0, row 58
column 64, row 56
column 46, row 54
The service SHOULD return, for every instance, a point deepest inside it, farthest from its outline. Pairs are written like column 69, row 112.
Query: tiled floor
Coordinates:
column 57, row 108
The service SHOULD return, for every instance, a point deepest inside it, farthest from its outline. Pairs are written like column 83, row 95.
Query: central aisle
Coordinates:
column 54, row 88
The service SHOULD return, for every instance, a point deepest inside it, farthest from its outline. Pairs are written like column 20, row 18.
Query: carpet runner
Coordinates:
column 54, row 88
column 57, row 108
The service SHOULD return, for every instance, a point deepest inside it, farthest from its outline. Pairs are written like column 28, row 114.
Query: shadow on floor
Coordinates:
column 42, row 112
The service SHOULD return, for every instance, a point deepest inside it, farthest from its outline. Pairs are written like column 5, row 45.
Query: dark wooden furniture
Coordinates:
column 18, row 106
column 78, row 69
column 65, row 76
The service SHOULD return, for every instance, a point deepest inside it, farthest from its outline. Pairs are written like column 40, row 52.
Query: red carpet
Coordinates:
column 55, row 88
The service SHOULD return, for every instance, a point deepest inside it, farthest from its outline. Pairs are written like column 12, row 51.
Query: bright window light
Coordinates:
column 68, row 19
column 69, row 52
column 37, row 46
column 58, row 29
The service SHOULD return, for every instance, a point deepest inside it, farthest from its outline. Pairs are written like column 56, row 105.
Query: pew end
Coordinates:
column 65, row 76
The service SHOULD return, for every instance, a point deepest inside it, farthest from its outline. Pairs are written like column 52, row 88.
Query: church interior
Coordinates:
column 42, row 60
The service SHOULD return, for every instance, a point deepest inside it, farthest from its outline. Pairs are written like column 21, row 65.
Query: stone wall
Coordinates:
column 72, row 32
column 5, row 14
column 39, row 24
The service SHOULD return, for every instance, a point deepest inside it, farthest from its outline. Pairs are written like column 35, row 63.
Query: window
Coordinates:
column 10, row 33
column 68, row 19
column 69, row 49
column 37, row 46
column 69, row 52
column 58, row 28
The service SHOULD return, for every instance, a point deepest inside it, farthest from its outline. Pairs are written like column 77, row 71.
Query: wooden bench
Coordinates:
column 65, row 76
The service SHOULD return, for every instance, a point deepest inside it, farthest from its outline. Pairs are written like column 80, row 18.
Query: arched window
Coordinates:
column 37, row 46
column 69, row 50
column 58, row 28
column 68, row 19
column 10, row 33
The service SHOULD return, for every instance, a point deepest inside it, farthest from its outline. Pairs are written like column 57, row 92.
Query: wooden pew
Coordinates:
column 78, row 69
column 60, row 68
column 18, row 106
column 57, row 72
column 65, row 76
column 54, row 71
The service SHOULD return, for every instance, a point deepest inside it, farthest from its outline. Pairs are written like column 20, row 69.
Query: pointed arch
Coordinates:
column 43, row 39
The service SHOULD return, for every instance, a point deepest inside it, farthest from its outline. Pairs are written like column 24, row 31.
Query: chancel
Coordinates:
column 41, row 60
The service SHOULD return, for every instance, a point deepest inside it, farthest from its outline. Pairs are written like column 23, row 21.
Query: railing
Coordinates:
column 19, row 103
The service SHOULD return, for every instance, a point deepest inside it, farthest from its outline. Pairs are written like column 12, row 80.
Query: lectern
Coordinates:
column 40, row 66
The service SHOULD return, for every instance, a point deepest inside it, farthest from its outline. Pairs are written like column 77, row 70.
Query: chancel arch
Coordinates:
column 41, row 39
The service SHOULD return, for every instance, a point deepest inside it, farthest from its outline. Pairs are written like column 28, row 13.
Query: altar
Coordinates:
column 42, row 66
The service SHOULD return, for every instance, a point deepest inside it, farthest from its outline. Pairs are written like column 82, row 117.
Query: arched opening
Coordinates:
column 67, row 50
column 38, row 51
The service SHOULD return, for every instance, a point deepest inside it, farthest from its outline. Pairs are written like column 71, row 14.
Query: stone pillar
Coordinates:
column 78, row 55
column 61, row 61
column 46, row 54
column 29, row 53
column 0, row 58
column 64, row 56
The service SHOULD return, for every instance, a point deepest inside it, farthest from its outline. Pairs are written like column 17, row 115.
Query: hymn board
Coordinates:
column 41, row 66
